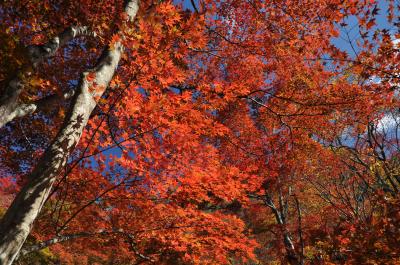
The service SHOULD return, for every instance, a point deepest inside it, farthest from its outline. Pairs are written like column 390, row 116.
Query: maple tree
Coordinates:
column 198, row 132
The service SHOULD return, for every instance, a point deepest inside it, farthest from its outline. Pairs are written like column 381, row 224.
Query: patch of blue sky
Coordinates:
column 350, row 31
column 347, row 42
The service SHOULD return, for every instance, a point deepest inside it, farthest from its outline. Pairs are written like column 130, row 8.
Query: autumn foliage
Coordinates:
column 231, row 132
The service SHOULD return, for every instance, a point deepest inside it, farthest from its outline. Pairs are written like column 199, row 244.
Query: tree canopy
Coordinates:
column 199, row 132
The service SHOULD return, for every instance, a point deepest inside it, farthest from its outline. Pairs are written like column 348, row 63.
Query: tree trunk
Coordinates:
column 18, row 220
column 10, row 108
column 291, row 253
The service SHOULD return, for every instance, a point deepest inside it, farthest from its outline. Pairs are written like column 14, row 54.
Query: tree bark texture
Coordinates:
column 17, row 222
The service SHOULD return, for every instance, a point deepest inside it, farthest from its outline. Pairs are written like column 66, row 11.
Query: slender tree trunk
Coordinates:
column 300, row 230
column 18, row 220
column 291, row 253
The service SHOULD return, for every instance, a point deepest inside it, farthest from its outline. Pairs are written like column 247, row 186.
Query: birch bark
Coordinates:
column 10, row 108
column 18, row 220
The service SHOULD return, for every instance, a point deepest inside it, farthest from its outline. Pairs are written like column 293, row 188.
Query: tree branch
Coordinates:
column 9, row 106
column 67, row 237
column 22, row 110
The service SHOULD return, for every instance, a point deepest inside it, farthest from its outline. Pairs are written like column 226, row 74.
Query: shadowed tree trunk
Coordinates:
column 18, row 220
column 291, row 253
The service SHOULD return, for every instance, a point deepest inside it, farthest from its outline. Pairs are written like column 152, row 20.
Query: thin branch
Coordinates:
column 68, row 237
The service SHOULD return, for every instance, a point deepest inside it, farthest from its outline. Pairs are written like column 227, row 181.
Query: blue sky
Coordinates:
column 353, row 32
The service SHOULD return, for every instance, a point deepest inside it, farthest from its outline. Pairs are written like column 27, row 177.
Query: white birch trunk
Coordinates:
column 18, row 220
